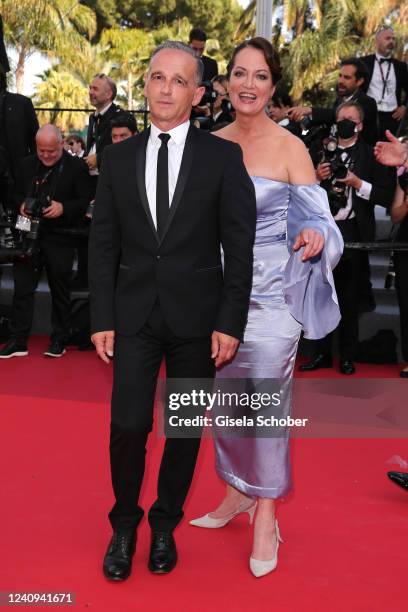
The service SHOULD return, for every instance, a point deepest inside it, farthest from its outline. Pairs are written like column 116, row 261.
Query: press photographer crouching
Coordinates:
column 355, row 183
column 53, row 190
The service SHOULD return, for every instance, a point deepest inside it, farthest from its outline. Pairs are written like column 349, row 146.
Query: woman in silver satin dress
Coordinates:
column 291, row 291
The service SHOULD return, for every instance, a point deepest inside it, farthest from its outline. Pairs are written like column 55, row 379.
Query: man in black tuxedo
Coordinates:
column 18, row 125
column 102, row 92
column 367, row 184
column 197, row 40
column 61, row 183
column 167, row 199
column 387, row 82
column 353, row 76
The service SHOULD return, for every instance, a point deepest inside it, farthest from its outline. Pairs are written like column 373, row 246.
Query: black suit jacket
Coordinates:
column 130, row 267
column 383, row 181
column 73, row 188
column 401, row 77
column 103, row 131
column 19, row 125
column 210, row 68
column 369, row 106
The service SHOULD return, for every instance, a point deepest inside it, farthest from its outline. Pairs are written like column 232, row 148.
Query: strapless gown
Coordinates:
column 287, row 295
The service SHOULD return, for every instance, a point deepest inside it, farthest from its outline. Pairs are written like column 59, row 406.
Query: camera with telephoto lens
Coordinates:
column 337, row 192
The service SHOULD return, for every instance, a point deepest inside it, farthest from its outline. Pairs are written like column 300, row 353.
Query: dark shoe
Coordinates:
column 117, row 563
column 163, row 552
column 320, row 361
column 13, row 349
column 404, row 373
column 400, row 478
column 56, row 349
column 347, row 366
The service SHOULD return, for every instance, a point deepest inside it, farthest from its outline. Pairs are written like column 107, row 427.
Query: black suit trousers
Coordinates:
column 401, row 286
column 137, row 362
column 57, row 255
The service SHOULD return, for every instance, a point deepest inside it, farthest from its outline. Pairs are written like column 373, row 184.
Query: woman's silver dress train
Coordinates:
column 288, row 295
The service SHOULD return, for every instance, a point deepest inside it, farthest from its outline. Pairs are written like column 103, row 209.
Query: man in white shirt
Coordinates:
column 167, row 200
column 388, row 82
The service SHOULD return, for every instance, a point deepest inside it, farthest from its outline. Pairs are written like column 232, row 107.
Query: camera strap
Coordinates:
column 52, row 176
column 384, row 78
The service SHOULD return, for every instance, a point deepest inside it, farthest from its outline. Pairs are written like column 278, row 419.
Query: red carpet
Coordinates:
column 345, row 525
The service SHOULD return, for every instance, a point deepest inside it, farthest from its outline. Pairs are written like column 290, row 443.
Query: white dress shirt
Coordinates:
column 175, row 146
column 364, row 192
column 388, row 103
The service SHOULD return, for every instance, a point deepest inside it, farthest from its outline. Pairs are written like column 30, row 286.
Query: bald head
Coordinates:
column 385, row 42
column 49, row 144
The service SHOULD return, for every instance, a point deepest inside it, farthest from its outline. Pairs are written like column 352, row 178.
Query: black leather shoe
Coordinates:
column 347, row 366
column 320, row 361
column 117, row 563
column 400, row 478
column 163, row 552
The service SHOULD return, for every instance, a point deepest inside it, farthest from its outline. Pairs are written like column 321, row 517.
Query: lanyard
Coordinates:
column 384, row 79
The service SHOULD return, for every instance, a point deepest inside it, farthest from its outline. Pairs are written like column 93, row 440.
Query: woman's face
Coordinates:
column 250, row 85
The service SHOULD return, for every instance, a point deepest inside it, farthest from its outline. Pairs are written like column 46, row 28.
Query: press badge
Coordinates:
column 23, row 223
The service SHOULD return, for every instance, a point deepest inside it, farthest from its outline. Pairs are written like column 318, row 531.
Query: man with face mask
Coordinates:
column 387, row 82
column 353, row 77
column 352, row 200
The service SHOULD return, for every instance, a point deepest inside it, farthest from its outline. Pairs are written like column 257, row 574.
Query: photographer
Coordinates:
column 54, row 189
column 355, row 183
column 350, row 84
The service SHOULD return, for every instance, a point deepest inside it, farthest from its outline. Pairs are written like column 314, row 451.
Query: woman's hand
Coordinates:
column 313, row 242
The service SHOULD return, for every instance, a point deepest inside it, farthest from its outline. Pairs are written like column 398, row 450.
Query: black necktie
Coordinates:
column 162, row 184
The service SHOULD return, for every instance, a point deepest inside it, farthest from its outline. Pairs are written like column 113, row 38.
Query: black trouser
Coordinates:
column 56, row 253
column 346, row 282
column 387, row 122
column 136, row 365
column 401, row 285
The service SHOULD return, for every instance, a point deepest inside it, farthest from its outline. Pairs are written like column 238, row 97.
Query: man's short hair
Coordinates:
column 384, row 28
column 361, row 68
column 125, row 120
column 111, row 83
column 222, row 79
column 281, row 99
column 180, row 46
column 197, row 34
column 351, row 104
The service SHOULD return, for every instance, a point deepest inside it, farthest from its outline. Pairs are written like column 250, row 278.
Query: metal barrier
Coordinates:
column 143, row 112
column 386, row 246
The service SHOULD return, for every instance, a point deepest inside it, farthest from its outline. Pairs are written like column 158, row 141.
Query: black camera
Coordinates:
column 35, row 206
column 337, row 193
column 210, row 95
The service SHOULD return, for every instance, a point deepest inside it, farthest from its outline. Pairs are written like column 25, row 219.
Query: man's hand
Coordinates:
column 54, row 210
column 23, row 211
column 104, row 342
column 351, row 180
column 313, row 242
column 399, row 113
column 392, row 153
column 323, row 171
column 92, row 162
column 296, row 113
column 223, row 348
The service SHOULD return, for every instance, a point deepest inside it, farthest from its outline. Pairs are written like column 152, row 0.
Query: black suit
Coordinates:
column 18, row 127
column 401, row 77
column 100, row 134
column 165, row 297
column 369, row 106
column 351, row 272
column 69, row 184
column 210, row 68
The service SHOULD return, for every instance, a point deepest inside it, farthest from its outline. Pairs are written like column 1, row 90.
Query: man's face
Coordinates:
column 347, row 83
column 198, row 46
column 120, row 133
column 49, row 150
column 352, row 114
column 385, row 43
column 99, row 93
column 277, row 113
column 171, row 88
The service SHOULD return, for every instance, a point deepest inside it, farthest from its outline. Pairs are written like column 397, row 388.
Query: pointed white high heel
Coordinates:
column 261, row 568
column 214, row 523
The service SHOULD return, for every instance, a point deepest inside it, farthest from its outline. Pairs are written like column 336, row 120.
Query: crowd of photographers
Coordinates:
column 50, row 182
